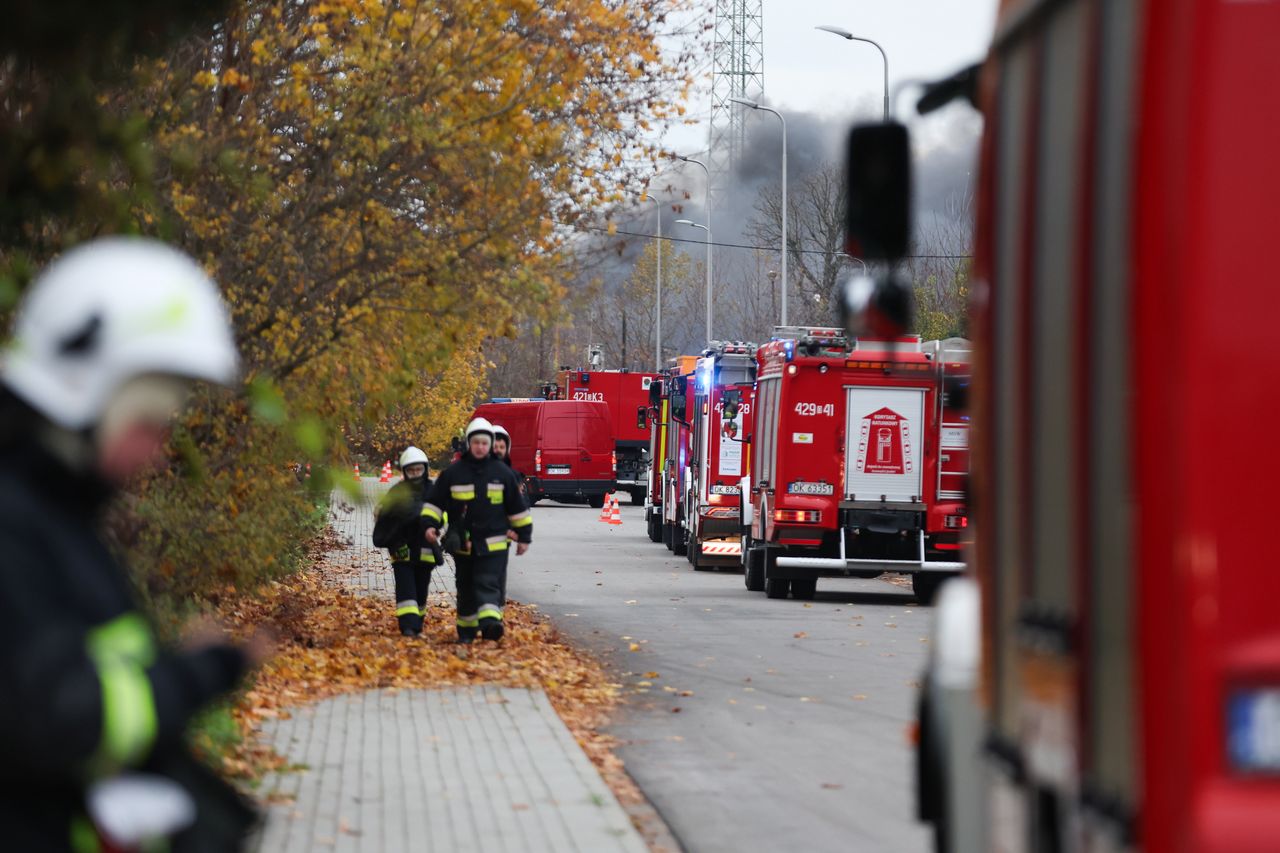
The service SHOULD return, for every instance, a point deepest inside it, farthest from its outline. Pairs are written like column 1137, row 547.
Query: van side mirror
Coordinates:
column 732, row 403
column 655, row 393
column 878, row 192
column 642, row 417
column 682, row 385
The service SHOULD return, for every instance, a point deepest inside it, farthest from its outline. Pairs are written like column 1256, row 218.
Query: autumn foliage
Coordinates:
column 381, row 187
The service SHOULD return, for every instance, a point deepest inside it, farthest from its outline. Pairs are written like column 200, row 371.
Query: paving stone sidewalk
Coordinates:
column 487, row 769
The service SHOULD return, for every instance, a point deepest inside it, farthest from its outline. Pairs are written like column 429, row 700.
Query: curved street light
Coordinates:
column 845, row 34
column 755, row 106
column 657, row 298
column 693, row 224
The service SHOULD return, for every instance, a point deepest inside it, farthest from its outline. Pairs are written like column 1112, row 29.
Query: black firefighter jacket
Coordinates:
column 482, row 500
column 87, row 692
column 397, row 526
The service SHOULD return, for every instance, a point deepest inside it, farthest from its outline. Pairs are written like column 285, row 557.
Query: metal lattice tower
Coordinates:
column 737, row 72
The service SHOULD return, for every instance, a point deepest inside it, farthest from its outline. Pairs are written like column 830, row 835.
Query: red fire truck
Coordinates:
column 720, row 417
column 1125, row 680
column 846, row 476
column 654, row 418
column 677, row 453
column 623, row 392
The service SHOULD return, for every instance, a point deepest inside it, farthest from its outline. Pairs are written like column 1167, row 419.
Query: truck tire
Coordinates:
column 655, row 528
column 776, row 587
column 925, row 586
column 753, row 569
column 679, row 545
column 695, row 557
column 668, row 535
column 638, row 496
column 595, row 501
column 804, row 589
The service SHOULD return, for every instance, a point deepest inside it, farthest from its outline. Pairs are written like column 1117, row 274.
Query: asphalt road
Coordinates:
column 750, row 724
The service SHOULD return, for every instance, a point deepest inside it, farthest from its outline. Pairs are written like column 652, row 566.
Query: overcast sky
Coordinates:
column 811, row 71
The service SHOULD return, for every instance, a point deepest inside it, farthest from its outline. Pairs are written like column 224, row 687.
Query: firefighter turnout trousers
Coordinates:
column 413, row 582
column 482, row 594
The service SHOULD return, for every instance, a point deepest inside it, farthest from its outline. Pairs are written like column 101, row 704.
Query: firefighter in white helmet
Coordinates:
column 396, row 528
column 483, row 502
column 106, row 345
column 501, row 444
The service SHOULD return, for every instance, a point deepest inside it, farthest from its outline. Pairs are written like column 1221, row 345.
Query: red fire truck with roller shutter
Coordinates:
column 846, row 477
column 723, row 395
column 622, row 391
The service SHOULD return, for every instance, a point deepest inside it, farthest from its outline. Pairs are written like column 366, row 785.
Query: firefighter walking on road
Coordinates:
column 480, row 496
column 397, row 529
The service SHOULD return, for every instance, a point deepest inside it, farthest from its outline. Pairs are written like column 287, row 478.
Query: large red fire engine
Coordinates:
column 848, row 477
column 1123, row 690
column 655, row 417
column 623, row 391
column 720, row 419
column 677, row 453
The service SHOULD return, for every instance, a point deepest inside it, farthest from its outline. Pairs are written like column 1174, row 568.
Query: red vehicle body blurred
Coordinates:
column 1126, row 692
column 847, row 474
column 563, row 449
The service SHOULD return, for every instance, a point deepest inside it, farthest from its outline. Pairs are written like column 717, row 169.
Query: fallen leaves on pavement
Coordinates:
column 333, row 641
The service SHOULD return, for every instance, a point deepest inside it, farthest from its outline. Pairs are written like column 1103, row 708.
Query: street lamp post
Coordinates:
column 693, row 224
column 657, row 343
column 845, row 34
column 755, row 106
column 706, row 195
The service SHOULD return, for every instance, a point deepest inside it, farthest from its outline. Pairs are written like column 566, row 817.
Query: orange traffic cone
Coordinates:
column 386, row 473
column 604, row 509
column 357, row 473
column 615, row 512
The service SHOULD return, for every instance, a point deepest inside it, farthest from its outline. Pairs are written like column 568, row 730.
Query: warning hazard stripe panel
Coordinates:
column 722, row 548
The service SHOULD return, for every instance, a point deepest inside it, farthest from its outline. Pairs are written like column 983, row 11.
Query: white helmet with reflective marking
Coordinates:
column 412, row 456
column 479, row 426
column 109, row 312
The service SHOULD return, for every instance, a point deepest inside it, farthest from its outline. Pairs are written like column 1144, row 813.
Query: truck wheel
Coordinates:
column 655, row 528
column 638, row 496
column 679, row 545
column 695, row 557
column 776, row 587
column 925, row 586
column 805, row 589
column 596, row 501
column 668, row 536
column 753, row 569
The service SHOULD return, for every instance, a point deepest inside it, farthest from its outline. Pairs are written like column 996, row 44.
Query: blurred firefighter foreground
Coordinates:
column 374, row 186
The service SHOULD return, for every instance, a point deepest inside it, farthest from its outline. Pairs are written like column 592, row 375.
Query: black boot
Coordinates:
column 466, row 636
column 491, row 629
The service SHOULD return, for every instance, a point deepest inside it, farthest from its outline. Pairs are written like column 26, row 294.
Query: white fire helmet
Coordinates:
column 479, row 426
column 500, row 431
column 412, row 456
column 109, row 312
